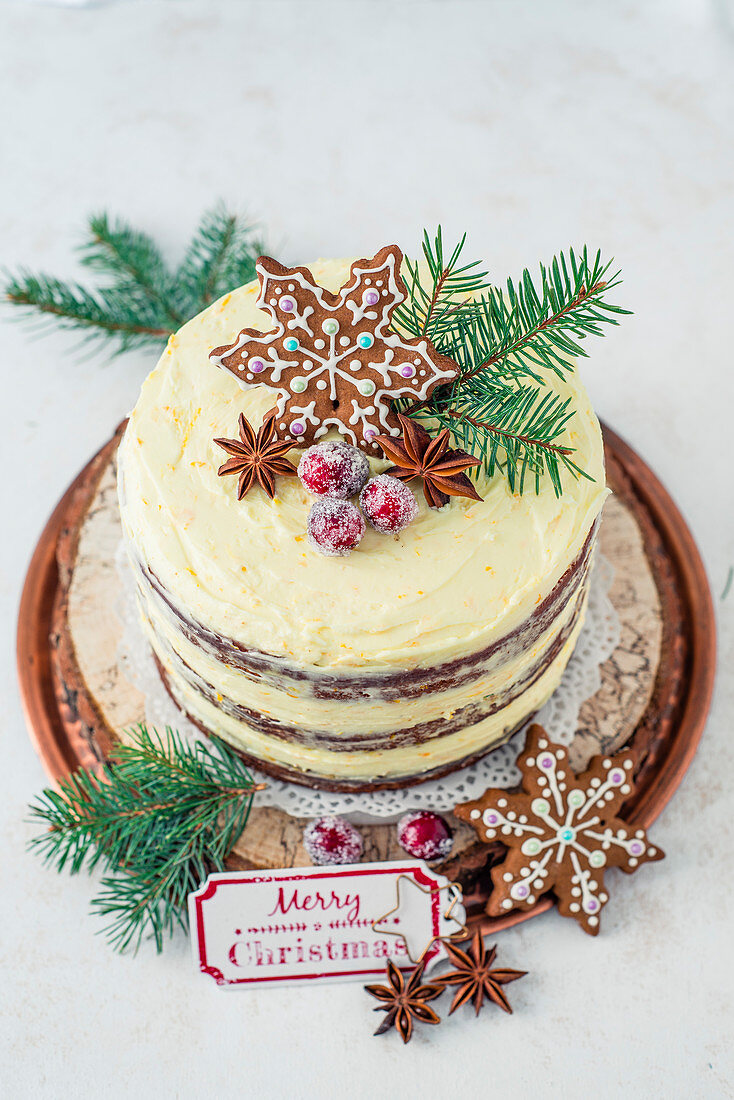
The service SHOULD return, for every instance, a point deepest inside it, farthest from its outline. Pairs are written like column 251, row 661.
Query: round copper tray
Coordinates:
column 665, row 739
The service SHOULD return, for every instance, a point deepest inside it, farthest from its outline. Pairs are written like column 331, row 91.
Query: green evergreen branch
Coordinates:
column 160, row 817
column 134, row 263
column 140, row 302
column 542, row 325
column 517, row 434
column 106, row 314
column 504, row 343
column 221, row 256
column 429, row 308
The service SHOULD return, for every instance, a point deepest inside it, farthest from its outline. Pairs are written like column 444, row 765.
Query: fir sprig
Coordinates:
column 159, row 818
column 99, row 316
column 505, row 342
column 133, row 263
column 220, row 257
column 432, row 303
column 140, row 301
column 542, row 322
column 517, row 434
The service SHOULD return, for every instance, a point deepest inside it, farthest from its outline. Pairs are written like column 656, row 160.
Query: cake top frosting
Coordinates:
column 452, row 581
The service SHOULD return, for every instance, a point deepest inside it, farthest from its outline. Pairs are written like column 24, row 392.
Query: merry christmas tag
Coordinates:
column 321, row 923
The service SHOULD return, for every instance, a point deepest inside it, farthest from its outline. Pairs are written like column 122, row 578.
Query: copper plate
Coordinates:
column 666, row 738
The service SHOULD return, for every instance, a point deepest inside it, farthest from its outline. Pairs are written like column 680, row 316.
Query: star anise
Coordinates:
column 405, row 1001
column 256, row 457
column 418, row 454
column 474, row 976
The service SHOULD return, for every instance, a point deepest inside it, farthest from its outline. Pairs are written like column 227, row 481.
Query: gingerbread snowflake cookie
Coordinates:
column 333, row 359
column 561, row 831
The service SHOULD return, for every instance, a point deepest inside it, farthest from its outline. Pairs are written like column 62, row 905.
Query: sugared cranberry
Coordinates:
column 333, row 470
column 334, row 527
column 388, row 504
column 332, row 840
column 425, row 835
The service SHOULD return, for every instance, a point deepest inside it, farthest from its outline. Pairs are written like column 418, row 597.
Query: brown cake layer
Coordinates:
column 306, row 779
column 413, row 735
column 347, row 686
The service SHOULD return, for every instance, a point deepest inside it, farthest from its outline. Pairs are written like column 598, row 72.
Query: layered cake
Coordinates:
column 409, row 657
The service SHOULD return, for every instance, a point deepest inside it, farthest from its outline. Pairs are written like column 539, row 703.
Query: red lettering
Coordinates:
column 239, row 946
column 355, row 950
column 308, row 902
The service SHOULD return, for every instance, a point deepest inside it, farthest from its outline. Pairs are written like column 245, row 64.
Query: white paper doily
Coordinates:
column 582, row 679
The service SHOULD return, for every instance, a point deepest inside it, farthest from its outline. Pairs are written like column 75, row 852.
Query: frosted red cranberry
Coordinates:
column 332, row 840
column 388, row 504
column 334, row 527
column 425, row 835
column 333, row 470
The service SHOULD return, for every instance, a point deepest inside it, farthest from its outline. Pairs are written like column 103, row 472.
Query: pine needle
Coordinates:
column 220, row 257
column 506, row 342
column 101, row 315
column 158, row 819
column 133, row 263
column 429, row 309
column 139, row 302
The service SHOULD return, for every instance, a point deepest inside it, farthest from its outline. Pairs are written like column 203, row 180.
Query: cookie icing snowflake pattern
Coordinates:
column 333, row 359
column 562, row 832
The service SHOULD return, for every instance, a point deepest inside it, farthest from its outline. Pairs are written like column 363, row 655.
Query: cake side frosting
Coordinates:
column 372, row 710
column 376, row 767
column 449, row 584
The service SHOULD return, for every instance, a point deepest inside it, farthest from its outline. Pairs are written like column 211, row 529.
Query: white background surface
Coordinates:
column 342, row 126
